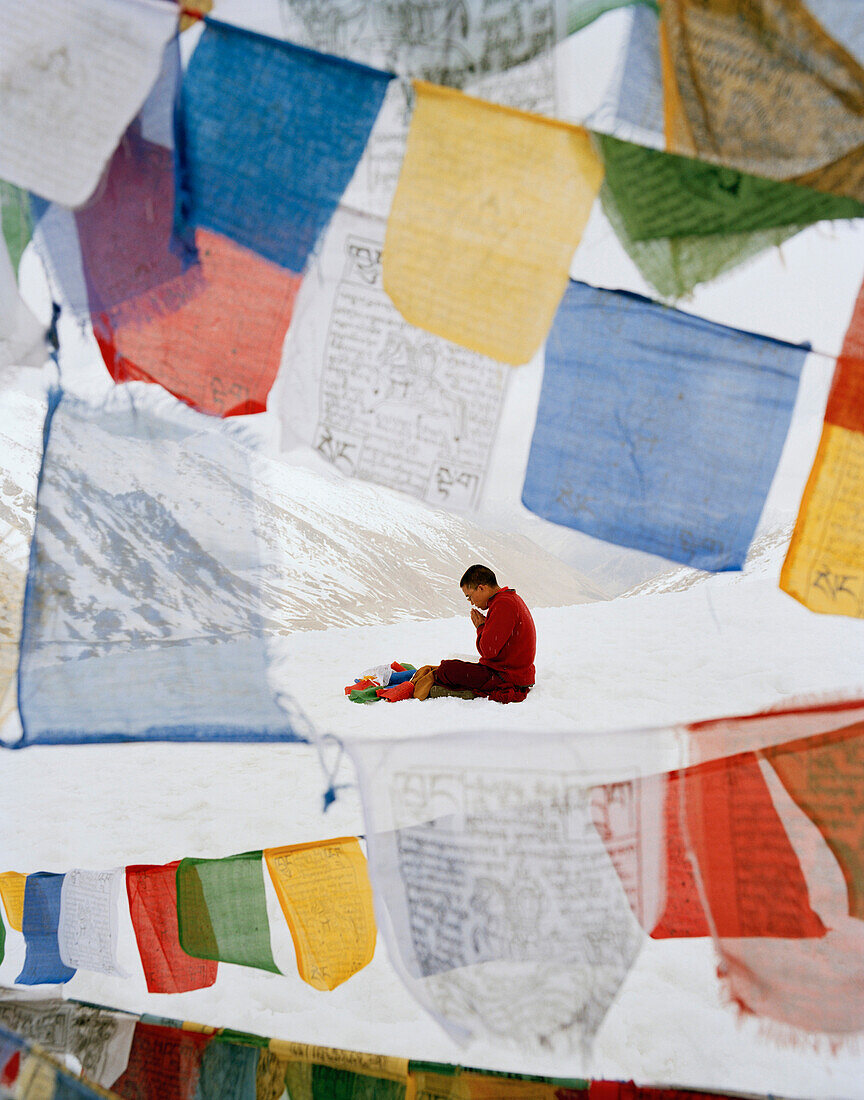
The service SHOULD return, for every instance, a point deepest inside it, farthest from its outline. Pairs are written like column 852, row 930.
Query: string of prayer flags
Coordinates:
column 15, row 220
column 42, row 961
column 490, row 206
column 658, row 430
column 325, row 894
column 88, row 932
column 268, row 136
column 791, row 104
column 12, row 886
column 674, row 266
column 163, row 1062
column 74, row 75
column 141, row 488
column 824, row 566
column 663, row 195
column 152, row 893
column 529, row 935
column 219, row 347
column 222, row 910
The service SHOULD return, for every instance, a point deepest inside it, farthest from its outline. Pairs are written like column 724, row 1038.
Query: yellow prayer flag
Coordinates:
column 477, row 1086
column 355, row 1061
column 824, row 566
column 326, row 896
column 12, row 892
column 490, row 206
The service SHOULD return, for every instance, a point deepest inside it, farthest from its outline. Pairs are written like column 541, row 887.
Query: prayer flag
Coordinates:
column 164, row 1062
column 503, row 911
column 88, row 932
column 12, row 885
column 228, row 1072
column 74, row 77
column 675, row 265
column 144, row 511
column 219, row 347
column 658, row 430
column 268, row 137
column 152, row 892
column 824, row 566
column 42, row 961
column 791, row 102
column 325, row 894
column 662, row 195
column 22, row 336
column 222, row 910
column 490, row 206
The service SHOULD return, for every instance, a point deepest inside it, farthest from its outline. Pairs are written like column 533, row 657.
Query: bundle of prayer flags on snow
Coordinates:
column 490, row 206
column 760, row 86
column 326, row 897
column 824, row 566
column 268, row 137
column 152, row 893
column 658, row 430
column 74, row 77
column 144, row 511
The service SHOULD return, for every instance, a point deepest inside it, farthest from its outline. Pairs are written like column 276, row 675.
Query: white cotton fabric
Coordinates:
column 88, row 932
column 72, row 78
column 22, row 337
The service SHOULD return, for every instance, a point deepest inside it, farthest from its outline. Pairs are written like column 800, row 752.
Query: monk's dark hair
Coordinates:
column 478, row 574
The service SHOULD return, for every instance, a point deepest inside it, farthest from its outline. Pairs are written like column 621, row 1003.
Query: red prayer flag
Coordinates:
column 164, row 1064
column 152, row 892
column 845, row 406
column 219, row 350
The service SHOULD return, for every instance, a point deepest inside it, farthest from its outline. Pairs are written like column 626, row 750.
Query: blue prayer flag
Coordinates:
column 268, row 135
column 658, row 430
column 144, row 614
column 42, row 962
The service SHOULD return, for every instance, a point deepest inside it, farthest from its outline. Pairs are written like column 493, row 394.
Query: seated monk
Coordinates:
column 506, row 642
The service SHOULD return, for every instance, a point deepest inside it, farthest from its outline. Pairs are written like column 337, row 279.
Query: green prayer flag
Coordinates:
column 16, row 220
column 675, row 265
column 663, row 195
column 222, row 910
column 228, row 1072
column 342, row 1084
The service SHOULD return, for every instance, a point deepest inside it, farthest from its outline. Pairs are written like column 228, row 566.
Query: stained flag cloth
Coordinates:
column 218, row 348
column 228, row 1072
column 12, row 887
column 76, row 75
column 490, row 206
column 42, row 961
column 222, row 910
column 502, row 911
column 120, row 496
column 790, row 107
column 658, row 430
column 824, row 566
column 325, row 894
column 663, row 195
column 163, row 1062
column 152, row 893
column 88, row 932
column 268, row 136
